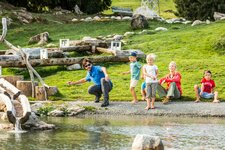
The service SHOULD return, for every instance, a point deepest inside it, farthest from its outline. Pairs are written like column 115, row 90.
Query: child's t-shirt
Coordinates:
column 208, row 85
column 135, row 68
column 151, row 70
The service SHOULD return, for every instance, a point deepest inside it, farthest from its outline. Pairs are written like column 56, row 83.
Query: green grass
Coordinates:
column 134, row 4
column 194, row 49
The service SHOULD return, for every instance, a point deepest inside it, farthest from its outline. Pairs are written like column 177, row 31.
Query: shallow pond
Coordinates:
column 118, row 132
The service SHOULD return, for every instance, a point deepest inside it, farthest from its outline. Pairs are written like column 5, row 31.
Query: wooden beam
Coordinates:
column 15, row 61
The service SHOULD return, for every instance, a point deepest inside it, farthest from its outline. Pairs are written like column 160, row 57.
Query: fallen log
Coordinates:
column 34, row 53
column 76, row 48
column 104, row 50
column 15, row 61
column 26, row 87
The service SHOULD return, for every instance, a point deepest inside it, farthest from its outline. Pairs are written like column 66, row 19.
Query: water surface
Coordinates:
column 118, row 132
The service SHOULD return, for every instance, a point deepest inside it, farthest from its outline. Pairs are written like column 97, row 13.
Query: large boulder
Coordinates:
column 139, row 22
column 35, row 124
column 218, row 16
column 41, row 39
column 147, row 142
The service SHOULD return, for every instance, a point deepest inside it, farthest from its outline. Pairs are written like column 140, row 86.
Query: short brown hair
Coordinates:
column 85, row 60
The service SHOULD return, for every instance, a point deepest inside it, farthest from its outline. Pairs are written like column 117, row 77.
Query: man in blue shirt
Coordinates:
column 99, row 76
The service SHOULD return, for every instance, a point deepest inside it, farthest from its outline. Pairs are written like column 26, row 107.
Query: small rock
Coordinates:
column 128, row 33
column 88, row 19
column 82, row 19
column 223, row 18
column 126, row 18
column 35, row 107
column 118, row 18
column 56, row 113
column 74, row 20
column 106, row 17
column 96, row 18
column 73, row 111
column 197, row 22
column 161, row 29
column 117, row 37
column 207, row 22
column 113, row 17
column 74, row 67
column 187, row 22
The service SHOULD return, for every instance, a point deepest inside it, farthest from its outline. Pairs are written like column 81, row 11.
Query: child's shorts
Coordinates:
column 133, row 83
column 151, row 90
column 143, row 86
column 205, row 94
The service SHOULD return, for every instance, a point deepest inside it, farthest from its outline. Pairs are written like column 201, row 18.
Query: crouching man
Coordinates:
column 99, row 76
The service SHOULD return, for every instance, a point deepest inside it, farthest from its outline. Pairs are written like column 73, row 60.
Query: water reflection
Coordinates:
column 102, row 133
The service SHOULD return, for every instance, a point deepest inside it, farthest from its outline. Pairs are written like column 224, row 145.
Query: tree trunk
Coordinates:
column 76, row 48
column 35, row 53
column 15, row 61
column 104, row 50
column 13, row 79
column 11, row 89
column 39, row 93
column 25, row 87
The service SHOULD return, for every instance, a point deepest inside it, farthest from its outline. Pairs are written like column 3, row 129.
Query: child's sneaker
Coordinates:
column 165, row 100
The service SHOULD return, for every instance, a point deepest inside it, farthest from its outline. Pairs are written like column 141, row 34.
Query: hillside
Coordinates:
column 191, row 47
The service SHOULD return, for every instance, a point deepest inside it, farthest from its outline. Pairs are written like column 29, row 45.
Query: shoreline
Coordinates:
column 190, row 109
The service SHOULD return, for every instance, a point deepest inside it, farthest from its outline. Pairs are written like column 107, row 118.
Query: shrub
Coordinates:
column 199, row 9
column 87, row 6
column 220, row 44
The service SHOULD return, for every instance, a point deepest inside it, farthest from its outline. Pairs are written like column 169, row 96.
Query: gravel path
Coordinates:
column 203, row 109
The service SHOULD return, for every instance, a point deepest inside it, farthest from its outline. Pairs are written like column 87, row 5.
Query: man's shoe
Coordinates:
column 165, row 100
column 97, row 99
column 105, row 104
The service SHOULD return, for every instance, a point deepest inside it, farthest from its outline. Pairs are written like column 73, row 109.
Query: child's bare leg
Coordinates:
column 148, row 103
column 143, row 93
column 196, row 93
column 216, row 97
column 133, row 93
column 153, row 103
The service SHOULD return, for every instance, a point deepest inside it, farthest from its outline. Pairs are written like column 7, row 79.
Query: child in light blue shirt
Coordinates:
column 135, row 69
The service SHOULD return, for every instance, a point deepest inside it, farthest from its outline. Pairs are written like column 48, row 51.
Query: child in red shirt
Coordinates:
column 207, row 88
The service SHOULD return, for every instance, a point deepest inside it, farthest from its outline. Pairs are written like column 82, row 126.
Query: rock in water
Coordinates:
column 147, row 142
column 139, row 22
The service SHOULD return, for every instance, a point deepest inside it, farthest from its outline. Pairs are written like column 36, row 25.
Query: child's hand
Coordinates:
column 70, row 83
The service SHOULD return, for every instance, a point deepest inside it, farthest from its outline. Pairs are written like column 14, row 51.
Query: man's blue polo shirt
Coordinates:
column 95, row 75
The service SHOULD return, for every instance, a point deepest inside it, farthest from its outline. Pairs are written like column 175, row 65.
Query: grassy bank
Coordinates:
column 193, row 48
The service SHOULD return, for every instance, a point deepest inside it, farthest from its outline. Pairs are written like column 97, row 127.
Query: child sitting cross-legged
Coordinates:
column 207, row 88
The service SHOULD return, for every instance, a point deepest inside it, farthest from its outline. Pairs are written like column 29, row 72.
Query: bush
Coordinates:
column 220, row 44
column 87, row 6
column 199, row 9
